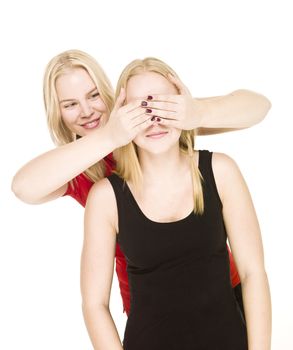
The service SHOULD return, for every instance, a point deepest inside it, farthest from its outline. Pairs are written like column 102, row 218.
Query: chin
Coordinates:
column 156, row 150
column 157, row 147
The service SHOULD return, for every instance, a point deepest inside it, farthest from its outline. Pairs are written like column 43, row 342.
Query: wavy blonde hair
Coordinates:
column 59, row 65
column 127, row 165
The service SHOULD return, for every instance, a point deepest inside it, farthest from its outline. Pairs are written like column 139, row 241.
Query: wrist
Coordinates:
column 103, row 141
column 109, row 139
column 198, row 108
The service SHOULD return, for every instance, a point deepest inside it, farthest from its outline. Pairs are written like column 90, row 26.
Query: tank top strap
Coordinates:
column 118, row 185
column 205, row 163
column 206, row 169
column 124, row 200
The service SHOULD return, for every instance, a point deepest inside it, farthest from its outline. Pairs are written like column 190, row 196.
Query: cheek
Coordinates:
column 99, row 105
column 136, row 140
column 178, row 133
column 105, row 118
column 69, row 117
column 139, row 141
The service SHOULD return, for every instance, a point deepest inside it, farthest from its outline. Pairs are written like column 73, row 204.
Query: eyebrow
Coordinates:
column 73, row 99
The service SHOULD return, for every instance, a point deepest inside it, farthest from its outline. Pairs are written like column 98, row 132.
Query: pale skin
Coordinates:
column 38, row 181
column 158, row 159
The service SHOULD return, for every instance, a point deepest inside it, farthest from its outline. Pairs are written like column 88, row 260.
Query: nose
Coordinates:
column 86, row 110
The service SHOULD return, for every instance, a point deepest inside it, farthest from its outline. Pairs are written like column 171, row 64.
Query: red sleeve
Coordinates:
column 79, row 188
column 110, row 164
column 235, row 279
column 121, row 265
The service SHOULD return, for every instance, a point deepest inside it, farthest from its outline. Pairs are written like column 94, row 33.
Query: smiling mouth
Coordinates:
column 92, row 124
column 157, row 135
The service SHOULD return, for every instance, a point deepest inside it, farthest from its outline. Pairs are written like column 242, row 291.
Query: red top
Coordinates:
column 82, row 185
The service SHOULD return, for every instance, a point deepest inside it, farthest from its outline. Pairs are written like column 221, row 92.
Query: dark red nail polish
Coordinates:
column 148, row 110
column 158, row 119
column 144, row 103
column 149, row 97
column 153, row 118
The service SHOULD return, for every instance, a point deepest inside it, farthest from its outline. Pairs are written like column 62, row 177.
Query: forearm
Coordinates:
column 240, row 109
column 51, row 170
column 257, row 306
column 101, row 328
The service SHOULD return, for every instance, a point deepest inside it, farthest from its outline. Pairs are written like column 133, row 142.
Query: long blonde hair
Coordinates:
column 127, row 165
column 59, row 65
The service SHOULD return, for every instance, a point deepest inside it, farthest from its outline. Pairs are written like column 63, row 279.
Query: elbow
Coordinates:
column 264, row 107
column 94, row 308
column 19, row 188
column 259, row 274
column 258, row 105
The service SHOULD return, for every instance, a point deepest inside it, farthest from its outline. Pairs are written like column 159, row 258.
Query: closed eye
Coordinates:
column 94, row 95
column 70, row 105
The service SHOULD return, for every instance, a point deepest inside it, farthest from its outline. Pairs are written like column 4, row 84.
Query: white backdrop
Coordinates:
column 216, row 47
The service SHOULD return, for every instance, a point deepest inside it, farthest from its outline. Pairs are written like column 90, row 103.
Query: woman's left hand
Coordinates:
column 179, row 111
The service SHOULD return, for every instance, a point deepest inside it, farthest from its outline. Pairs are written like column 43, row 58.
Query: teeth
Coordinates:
column 91, row 123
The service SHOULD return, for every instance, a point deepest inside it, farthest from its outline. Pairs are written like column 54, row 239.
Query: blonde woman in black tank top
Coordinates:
column 172, row 210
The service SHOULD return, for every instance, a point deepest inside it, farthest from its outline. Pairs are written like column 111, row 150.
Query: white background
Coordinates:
column 216, row 47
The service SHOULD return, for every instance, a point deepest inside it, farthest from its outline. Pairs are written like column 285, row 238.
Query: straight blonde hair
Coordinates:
column 62, row 64
column 127, row 163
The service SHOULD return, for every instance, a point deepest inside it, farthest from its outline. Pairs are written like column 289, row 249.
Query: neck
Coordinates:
column 162, row 167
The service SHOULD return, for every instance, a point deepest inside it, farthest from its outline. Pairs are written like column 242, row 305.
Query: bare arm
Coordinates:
column 237, row 110
column 45, row 177
column 245, row 239
column 97, row 263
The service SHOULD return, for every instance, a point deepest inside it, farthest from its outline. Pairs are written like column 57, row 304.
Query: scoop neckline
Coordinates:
column 152, row 222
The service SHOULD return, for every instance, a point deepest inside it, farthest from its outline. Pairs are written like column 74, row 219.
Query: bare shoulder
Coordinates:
column 101, row 188
column 102, row 196
column 226, row 172
column 222, row 162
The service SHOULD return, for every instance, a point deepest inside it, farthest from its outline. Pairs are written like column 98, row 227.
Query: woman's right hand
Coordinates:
column 126, row 121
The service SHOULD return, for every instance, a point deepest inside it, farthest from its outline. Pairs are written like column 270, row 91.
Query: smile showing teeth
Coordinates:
column 92, row 124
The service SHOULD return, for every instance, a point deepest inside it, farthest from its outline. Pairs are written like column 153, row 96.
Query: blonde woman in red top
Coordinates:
column 86, row 127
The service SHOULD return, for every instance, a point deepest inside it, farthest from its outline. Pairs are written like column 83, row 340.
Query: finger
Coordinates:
column 179, row 124
column 170, row 122
column 130, row 107
column 163, row 98
column 178, row 83
column 164, row 106
column 143, row 122
column 165, row 114
column 120, row 99
column 136, row 113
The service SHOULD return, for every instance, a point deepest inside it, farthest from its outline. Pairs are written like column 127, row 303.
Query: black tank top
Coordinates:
column 179, row 275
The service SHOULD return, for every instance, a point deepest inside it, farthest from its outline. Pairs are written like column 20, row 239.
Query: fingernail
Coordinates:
column 158, row 119
column 148, row 110
column 153, row 118
column 149, row 97
column 144, row 103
